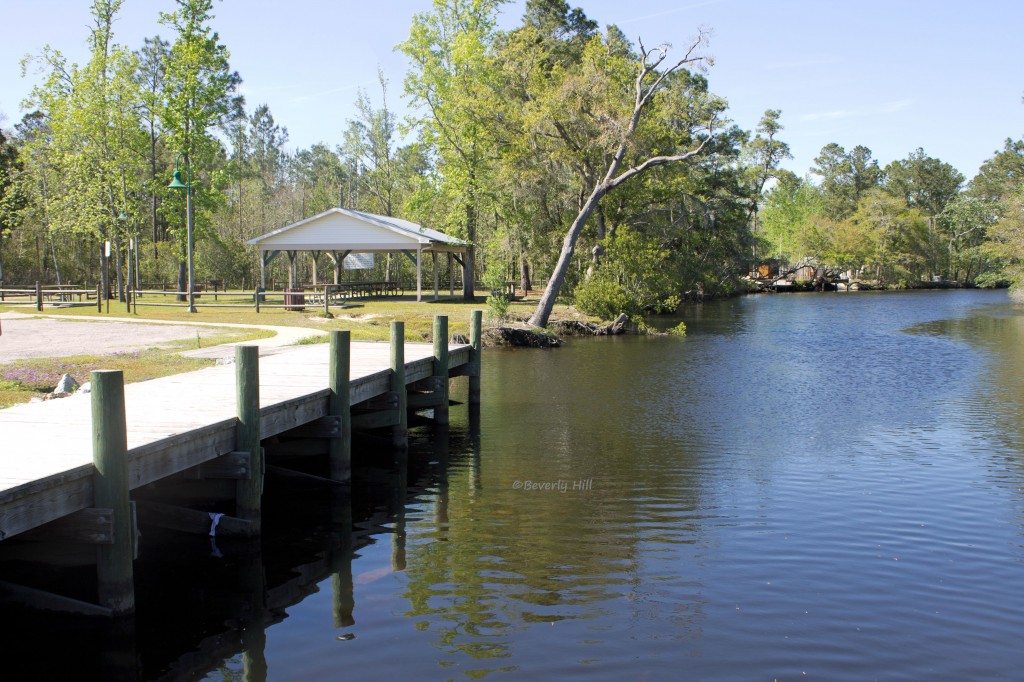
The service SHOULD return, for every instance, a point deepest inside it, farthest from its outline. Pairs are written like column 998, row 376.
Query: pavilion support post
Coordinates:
column 451, row 274
column 419, row 274
column 337, row 267
column 315, row 255
column 291, row 269
column 340, row 449
column 249, row 492
column 400, row 431
column 114, row 565
column 441, row 368
column 437, row 275
column 475, row 327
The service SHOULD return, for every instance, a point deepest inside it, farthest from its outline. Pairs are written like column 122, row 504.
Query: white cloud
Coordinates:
column 829, row 115
column 880, row 108
column 798, row 64
column 897, row 105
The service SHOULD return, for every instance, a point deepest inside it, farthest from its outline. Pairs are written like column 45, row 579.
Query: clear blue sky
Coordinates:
column 892, row 75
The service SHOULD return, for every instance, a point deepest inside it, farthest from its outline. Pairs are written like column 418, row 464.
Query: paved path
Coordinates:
column 25, row 336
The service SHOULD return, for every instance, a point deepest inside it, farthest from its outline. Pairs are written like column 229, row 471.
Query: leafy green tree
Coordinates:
column 896, row 234
column 537, row 184
column 200, row 97
column 833, row 166
column 927, row 184
column 152, row 69
column 1001, row 175
column 845, row 178
column 966, row 221
column 319, row 174
column 266, row 164
column 93, row 144
column 450, row 80
column 267, row 156
column 764, row 154
column 791, row 209
column 596, row 116
column 994, row 201
column 370, row 143
column 1006, row 242
column 637, row 277
column 11, row 199
column 865, row 174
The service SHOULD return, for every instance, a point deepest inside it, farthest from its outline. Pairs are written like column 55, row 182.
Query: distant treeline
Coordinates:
column 567, row 156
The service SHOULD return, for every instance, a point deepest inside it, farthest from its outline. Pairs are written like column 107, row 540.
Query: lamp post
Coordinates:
column 176, row 183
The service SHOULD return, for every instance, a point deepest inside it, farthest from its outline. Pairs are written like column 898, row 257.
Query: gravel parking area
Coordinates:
column 23, row 336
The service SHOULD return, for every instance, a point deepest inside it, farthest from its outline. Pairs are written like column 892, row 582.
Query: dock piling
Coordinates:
column 340, row 452
column 441, row 368
column 249, row 492
column 475, row 326
column 400, row 431
column 114, row 564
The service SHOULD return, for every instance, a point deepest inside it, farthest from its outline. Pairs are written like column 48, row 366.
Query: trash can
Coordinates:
column 295, row 299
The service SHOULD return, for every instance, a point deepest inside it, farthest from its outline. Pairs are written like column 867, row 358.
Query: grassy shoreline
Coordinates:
column 369, row 320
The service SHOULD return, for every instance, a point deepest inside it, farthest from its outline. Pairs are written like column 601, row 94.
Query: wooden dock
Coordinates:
column 193, row 422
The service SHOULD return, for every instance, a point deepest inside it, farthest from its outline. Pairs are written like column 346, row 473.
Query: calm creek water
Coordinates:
column 821, row 486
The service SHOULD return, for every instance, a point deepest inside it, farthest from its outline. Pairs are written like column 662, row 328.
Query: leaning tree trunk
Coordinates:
column 598, row 251
column 547, row 302
column 648, row 64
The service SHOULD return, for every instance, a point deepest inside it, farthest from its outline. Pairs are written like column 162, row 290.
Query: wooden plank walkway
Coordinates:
column 174, row 423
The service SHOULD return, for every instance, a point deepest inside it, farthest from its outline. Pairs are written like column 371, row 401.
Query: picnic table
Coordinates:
column 337, row 294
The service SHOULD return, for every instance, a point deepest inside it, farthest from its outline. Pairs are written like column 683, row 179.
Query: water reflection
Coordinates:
column 820, row 484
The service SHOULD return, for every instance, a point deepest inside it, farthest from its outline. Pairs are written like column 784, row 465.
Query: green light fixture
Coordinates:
column 176, row 183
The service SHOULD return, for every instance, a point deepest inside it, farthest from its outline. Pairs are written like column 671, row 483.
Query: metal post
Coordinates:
column 128, row 279
column 189, row 228
column 114, row 567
